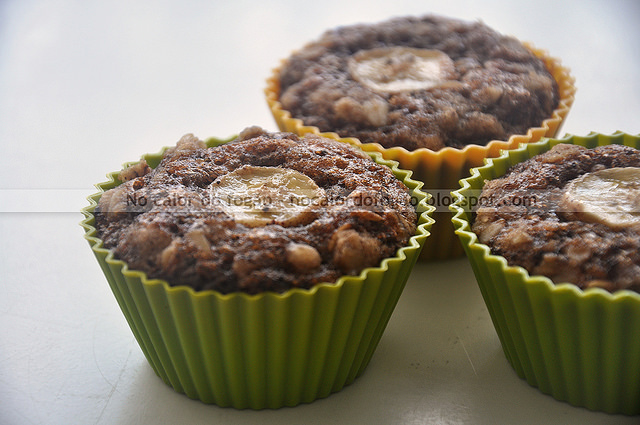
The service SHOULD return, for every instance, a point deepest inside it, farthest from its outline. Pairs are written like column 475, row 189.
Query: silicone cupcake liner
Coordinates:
column 260, row 351
column 580, row 346
column 441, row 170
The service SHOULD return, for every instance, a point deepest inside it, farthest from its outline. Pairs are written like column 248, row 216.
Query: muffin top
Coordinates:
column 571, row 214
column 427, row 82
column 266, row 212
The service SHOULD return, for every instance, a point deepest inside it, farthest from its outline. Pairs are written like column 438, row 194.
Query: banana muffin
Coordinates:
column 571, row 214
column 427, row 82
column 266, row 212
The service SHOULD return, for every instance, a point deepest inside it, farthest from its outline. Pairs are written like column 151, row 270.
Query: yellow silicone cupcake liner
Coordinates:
column 441, row 170
column 260, row 351
column 580, row 346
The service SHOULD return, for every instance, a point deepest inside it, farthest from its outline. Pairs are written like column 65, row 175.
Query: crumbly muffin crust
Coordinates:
column 165, row 223
column 523, row 216
column 495, row 86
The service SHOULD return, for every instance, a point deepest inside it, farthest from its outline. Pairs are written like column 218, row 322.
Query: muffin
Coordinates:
column 567, row 311
column 582, row 203
column 259, row 272
column 432, row 93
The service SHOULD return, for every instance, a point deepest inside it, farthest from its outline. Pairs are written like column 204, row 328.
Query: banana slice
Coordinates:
column 396, row 69
column 257, row 196
column 610, row 196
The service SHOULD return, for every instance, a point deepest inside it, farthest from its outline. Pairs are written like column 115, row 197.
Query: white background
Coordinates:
column 86, row 86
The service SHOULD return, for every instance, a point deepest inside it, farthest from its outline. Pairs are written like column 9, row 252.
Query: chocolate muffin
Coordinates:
column 266, row 212
column 413, row 82
column 571, row 214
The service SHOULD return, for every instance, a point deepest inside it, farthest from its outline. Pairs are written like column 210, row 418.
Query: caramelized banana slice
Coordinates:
column 610, row 196
column 257, row 196
column 396, row 69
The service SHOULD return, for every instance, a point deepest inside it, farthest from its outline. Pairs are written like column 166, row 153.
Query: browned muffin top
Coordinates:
column 266, row 212
column 572, row 214
column 425, row 82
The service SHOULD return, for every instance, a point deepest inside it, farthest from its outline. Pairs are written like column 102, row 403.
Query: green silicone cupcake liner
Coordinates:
column 580, row 346
column 260, row 351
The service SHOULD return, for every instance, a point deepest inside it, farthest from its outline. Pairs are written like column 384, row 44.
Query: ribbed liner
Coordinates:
column 260, row 351
column 578, row 346
column 441, row 170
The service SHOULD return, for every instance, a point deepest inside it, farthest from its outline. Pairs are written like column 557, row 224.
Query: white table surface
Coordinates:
column 85, row 86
